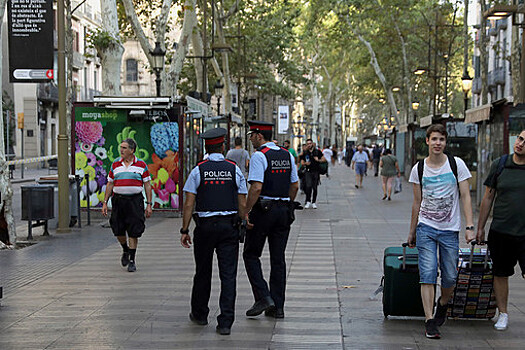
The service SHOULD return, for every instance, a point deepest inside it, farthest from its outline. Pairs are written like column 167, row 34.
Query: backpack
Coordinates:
column 453, row 166
column 499, row 170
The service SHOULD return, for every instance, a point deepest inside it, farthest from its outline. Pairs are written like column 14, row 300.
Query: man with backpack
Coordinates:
column 440, row 180
column 506, row 238
column 310, row 159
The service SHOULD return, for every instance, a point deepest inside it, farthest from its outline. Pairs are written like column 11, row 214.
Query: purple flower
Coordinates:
column 101, row 142
column 99, row 162
column 77, row 147
column 91, row 159
column 101, row 180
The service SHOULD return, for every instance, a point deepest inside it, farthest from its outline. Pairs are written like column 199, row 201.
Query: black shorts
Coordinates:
column 127, row 215
column 506, row 251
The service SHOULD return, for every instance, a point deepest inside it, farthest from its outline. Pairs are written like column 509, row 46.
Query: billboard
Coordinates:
column 97, row 135
column 283, row 119
column 31, row 47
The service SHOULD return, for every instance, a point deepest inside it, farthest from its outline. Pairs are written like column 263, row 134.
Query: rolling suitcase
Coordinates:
column 474, row 293
column 401, row 291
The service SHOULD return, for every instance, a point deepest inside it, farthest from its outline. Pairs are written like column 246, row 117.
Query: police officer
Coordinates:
column 217, row 190
column 274, row 184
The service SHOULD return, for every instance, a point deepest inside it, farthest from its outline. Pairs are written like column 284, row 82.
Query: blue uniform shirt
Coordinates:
column 194, row 180
column 258, row 165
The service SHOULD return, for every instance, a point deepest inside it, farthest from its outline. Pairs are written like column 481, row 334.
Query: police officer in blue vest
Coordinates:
column 217, row 190
column 274, row 184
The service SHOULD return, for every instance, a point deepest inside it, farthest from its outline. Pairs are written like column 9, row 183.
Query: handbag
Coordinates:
column 301, row 172
column 397, row 185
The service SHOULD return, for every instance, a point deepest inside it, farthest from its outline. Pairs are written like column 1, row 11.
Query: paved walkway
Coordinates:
column 69, row 291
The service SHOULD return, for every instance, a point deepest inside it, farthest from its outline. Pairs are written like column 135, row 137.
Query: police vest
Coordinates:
column 277, row 175
column 218, row 187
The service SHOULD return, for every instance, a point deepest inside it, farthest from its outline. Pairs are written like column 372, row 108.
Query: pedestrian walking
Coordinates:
column 216, row 190
column 377, row 151
column 240, row 156
column 327, row 154
column 334, row 155
column 359, row 163
column 506, row 239
column 291, row 150
column 340, row 155
column 310, row 159
column 126, row 179
column 389, row 170
column 436, row 222
column 274, row 185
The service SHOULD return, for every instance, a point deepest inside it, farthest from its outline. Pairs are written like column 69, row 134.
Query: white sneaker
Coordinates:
column 307, row 205
column 503, row 321
column 314, row 206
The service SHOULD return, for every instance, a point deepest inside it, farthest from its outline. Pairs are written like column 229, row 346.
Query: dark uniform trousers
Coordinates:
column 273, row 223
column 216, row 233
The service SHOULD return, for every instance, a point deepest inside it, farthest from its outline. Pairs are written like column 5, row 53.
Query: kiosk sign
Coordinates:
column 31, row 48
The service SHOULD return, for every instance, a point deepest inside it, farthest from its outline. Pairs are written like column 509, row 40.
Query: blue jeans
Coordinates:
column 428, row 239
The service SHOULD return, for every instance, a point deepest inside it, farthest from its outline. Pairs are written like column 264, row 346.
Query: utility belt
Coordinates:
column 235, row 220
column 267, row 204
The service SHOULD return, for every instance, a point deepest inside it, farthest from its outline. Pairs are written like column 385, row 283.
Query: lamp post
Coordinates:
column 218, row 91
column 466, row 85
column 415, row 107
column 158, row 62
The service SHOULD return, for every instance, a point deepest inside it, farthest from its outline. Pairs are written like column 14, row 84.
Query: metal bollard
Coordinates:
column 79, row 212
column 88, row 204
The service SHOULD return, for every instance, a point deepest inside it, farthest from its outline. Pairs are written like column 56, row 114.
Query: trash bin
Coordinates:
column 37, row 202
column 73, row 199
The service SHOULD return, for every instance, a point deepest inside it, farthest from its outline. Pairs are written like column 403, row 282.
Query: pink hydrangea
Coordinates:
column 88, row 132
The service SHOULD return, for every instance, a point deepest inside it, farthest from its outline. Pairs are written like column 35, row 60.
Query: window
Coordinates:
column 131, row 70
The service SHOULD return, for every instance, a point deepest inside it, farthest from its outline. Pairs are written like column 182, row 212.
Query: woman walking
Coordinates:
column 389, row 170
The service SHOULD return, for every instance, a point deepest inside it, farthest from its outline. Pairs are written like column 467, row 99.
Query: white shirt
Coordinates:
column 327, row 153
column 440, row 202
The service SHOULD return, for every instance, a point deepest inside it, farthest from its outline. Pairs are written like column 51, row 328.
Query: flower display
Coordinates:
column 165, row 137
column 86, row 147
column 80, row 160
column 88, row 132
column 101, row 153
column 91, row 159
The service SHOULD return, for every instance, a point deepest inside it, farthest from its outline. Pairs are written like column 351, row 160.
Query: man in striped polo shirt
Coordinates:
column 125, row 180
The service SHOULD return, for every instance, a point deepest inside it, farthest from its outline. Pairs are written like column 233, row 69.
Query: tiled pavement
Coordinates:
column 69, row 292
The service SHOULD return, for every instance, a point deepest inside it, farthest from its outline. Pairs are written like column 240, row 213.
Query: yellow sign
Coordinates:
column 21, row 120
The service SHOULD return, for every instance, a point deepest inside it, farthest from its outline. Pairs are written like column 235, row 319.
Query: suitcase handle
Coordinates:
column 471, row 259
column 405, row 245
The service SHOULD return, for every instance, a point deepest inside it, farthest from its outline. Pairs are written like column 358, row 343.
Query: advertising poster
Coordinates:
column 31, row 49
column 283, row 119
column 98, row 134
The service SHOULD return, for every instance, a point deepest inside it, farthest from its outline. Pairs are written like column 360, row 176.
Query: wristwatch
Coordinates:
column 150, row 203
column 470, row 228
column 184, row 232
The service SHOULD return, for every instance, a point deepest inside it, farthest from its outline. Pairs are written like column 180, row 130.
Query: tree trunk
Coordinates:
column 5, row 183
column 111, row 55
column 189, row 22
column 198, row 50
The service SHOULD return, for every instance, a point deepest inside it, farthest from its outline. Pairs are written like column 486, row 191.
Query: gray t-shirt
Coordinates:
column 239, row 156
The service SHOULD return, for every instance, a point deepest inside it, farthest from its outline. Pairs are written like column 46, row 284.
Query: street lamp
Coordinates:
column 466, row 85
column 158, row 62
column 218, row 91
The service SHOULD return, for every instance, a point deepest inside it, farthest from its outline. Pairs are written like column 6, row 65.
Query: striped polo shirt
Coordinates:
column 128, row 180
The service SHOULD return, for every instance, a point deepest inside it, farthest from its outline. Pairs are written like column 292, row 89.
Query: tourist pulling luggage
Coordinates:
column 401, row 290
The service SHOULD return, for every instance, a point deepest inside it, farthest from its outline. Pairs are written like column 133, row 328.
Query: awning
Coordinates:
column 478, row 114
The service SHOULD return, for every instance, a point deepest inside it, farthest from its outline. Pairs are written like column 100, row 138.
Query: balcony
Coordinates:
column 491, row 79
column 499, row 76
column 78, row 60
column 47, row 92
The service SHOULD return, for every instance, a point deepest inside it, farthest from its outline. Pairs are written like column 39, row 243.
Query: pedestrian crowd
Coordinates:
column 238, row 198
